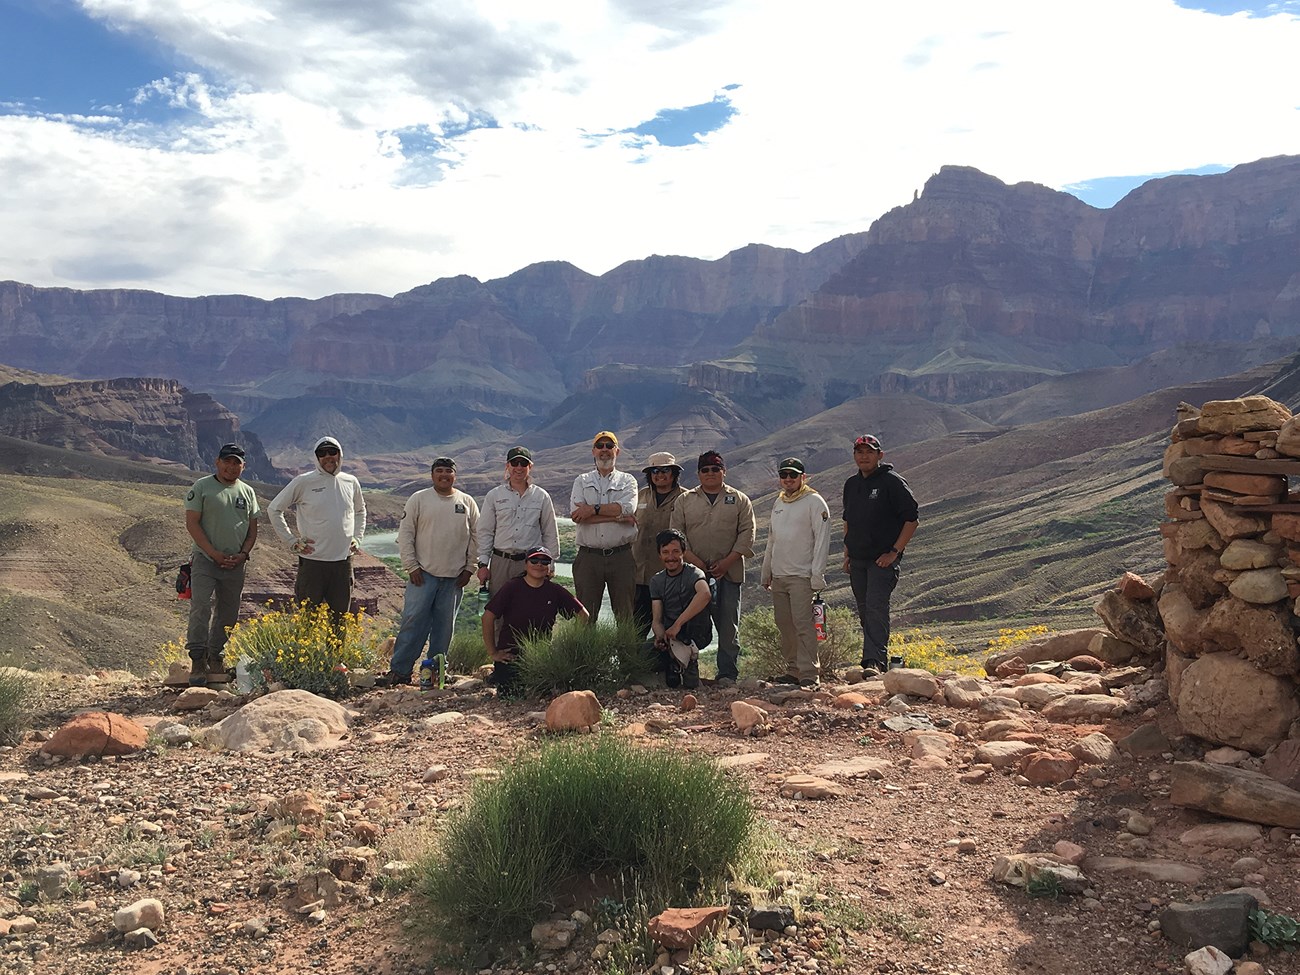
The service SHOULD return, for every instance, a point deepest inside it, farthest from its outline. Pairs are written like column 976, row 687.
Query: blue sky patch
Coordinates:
column 1106, row 191
column 1227, row 8
column 54, row 59
column 684, row 126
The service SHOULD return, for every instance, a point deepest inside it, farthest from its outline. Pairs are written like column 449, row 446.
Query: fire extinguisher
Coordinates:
column 819, row 617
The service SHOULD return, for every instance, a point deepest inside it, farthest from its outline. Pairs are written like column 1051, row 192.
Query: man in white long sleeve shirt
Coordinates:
column 517, row 517
column 330, row 518
column 794, row 567
column 438, row 543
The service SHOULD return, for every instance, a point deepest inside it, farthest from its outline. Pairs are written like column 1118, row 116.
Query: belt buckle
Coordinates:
column 607, row 552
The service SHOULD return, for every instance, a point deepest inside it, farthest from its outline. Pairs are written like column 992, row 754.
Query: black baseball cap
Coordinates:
column 443, row 462
column 230, row 450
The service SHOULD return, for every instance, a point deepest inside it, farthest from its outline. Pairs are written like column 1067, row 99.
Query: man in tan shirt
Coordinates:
column 718, row 522
column 438, row 542
column 654, row 510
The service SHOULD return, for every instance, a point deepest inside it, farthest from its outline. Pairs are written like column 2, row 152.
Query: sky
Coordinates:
column 310, row 147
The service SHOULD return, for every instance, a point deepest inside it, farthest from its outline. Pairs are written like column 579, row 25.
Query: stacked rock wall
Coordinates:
column 1231, row 594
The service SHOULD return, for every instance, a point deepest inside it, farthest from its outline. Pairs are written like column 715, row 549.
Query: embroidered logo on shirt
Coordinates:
column 241, row 502
column 190, row 496
column 731, row 499
column 875, row 493
column 460, row 509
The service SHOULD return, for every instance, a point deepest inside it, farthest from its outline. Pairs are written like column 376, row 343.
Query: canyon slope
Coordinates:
column 976, row 292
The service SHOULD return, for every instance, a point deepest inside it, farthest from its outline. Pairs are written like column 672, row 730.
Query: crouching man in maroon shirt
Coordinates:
column 526, row 605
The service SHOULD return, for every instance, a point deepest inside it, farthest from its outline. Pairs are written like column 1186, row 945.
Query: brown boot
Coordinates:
column 217, row 670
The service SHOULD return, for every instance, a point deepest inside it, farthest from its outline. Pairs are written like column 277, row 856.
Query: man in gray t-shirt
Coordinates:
column 679, row 600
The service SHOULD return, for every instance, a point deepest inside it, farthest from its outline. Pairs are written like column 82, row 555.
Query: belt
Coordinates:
column 605, row 551
column 512, row 556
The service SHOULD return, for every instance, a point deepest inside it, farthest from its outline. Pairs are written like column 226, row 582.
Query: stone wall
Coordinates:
column 1231, row 594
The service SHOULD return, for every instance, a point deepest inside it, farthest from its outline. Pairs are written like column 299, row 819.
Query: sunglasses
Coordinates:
column 327, row 452
column 788, row 475
column 604, row 445
column 521, row 462
column 712, row 469
column 658, row 470
column 539, row 560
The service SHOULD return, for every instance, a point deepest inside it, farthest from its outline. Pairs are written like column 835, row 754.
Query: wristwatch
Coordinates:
column 896, row 551
column 596, row 509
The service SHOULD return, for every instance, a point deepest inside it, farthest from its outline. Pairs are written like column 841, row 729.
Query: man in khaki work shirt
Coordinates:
column 718, row 522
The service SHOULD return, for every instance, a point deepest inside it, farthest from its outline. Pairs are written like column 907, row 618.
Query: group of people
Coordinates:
column 668, row 557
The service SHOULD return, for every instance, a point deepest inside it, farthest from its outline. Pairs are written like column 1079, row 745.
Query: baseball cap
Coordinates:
column 867, row 440
column 443, row 462
column 537, row 550
column 791, row 464
column 603, row 435
column 523, row 452
column 230, row 450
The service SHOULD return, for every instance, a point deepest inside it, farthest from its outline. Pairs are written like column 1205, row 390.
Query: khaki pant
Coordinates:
column 594, row 571
column 792, row 598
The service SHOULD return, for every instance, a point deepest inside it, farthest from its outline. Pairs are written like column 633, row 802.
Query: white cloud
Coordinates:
column 279, row 173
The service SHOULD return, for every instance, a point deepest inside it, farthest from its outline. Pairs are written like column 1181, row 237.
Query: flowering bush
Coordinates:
column 1006, row 639
column 303, row 648
column 927, row 651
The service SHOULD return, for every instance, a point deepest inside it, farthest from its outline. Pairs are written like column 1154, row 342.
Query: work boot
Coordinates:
column 198, row 672
column 217, row 670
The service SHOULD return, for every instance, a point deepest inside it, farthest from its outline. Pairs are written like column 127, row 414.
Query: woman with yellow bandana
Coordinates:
column 794, row 568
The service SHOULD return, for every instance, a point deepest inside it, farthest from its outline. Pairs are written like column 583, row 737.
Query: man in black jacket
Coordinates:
column 880, row 517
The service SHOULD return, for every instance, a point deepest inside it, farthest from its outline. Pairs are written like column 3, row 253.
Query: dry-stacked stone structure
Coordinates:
column 1231, row 595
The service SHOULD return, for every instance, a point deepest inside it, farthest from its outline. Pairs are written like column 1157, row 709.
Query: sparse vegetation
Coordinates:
column 577, row 656
column 661, row 826
column 466, row 653
column 1275, row 930
column 761, row 641
column 928, row 651
column 303, row 648
column 1044, row 884
column 18, row 692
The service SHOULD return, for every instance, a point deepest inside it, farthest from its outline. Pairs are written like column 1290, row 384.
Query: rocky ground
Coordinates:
column 293, row 860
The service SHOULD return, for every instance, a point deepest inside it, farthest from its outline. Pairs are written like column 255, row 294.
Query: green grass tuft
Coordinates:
column 577, row 656
column 663, row 826
column 466, row 653
column 18, row 693
column 762, row 642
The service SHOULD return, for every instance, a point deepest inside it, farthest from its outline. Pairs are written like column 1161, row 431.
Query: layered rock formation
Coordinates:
column 139, row 419
column 1229, row 603
column 975, row 289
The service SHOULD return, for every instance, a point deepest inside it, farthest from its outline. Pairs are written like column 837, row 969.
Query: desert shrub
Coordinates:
column 303, row 648
column 466, row 653
column 926, row 651
column 1275, row 930
column 18, row 693
column 761, row 641
column 663, row 825
column 578, row 656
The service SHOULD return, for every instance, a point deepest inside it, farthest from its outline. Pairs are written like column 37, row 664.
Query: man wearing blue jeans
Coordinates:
column 880, row 518
column 438, row 542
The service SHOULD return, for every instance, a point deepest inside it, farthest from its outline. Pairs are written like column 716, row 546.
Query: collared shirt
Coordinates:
column 651, row 519
column 715, row 530
column 617, row 487
column 514, row 522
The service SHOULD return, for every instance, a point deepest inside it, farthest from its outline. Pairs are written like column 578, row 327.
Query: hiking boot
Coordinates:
column 787, row 679
column 389, row 679
column 691, row 675
column 217, row 673
column 810, row 683
column 198, row 673
column 724, row 682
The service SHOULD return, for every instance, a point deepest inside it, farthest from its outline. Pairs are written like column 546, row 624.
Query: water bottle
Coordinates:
column 426, row 674
column 482, row 599
column 819, row 617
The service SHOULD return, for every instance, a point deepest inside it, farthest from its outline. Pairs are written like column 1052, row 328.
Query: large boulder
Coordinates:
column 1261, row 634
column 97, row 733
column 573, row 711
column 283, row 721
column 1051, row 646
column 1225, row 699
column 1134, row 621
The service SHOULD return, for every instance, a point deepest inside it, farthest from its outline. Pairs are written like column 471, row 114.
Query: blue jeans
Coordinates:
column 428, row 616
column 872, row 587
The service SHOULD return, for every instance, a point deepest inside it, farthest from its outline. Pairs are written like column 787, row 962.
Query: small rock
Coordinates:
column 681, row 928
column 553, row 935
column 126, row 877
column 689, row 702
column 747, row 716
column 146, row 913
column 434, row 773
column 22, row 924
column 1208, row 961
column 573, row 711
column 1145, row 742
column 140, row 938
